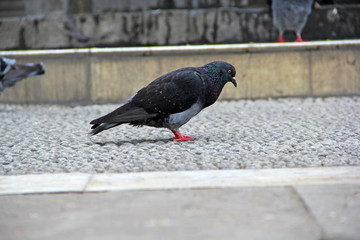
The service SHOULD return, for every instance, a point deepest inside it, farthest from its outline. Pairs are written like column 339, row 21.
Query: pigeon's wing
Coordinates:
column 171, row 93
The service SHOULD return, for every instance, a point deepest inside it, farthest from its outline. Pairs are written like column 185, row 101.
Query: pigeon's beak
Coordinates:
column 234, row 81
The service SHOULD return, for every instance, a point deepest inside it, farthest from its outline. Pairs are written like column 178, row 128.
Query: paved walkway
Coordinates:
column 244, row 134
column 294, row 203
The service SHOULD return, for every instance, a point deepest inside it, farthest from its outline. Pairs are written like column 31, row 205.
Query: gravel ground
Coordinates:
column 271, row 133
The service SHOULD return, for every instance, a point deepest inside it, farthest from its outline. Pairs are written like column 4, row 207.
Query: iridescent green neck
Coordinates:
column 213, row 71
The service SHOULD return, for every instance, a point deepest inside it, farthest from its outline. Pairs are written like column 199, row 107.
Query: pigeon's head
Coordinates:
column 221, row 71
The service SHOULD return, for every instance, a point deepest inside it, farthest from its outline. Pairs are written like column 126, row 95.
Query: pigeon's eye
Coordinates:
column 229, row 71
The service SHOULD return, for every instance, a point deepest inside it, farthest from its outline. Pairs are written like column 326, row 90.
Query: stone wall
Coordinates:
column 323, row 68
column 74, row 24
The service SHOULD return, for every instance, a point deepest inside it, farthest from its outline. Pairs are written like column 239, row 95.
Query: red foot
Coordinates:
column 183, row 138
column 281, row 38
column 180, row 137
column 299, row 39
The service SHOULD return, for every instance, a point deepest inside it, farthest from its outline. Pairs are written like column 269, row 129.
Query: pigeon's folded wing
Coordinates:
column 171, row 93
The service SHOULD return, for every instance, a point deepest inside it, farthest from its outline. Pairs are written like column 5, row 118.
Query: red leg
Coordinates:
column 180, row 137
column 281, row 38
column 299, row 39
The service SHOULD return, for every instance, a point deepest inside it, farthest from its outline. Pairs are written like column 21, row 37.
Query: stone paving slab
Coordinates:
column 246, row 213
column 45, row 183
column 336, row 208
column 81, row 183
column 224, row 178
column 310, row 203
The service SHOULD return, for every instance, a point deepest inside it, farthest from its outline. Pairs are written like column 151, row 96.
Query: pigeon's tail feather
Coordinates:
column 124, row 114
column 101, row 127
column 131, row 115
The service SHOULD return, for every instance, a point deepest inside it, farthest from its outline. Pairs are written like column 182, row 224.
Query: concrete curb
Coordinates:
column 82, row 183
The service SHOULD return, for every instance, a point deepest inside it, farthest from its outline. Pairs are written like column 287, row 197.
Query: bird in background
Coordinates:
column 11, row 72
column 291, row 15
column 171, row 100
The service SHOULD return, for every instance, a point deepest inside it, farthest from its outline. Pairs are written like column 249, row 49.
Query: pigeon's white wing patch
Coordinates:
column 176, row 120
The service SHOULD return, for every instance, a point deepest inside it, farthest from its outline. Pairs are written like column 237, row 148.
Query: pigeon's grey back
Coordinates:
column 291, row 14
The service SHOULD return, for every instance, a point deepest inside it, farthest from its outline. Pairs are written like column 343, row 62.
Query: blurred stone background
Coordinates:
column 42, row 24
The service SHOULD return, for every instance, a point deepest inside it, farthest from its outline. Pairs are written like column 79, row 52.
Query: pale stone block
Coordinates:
column 65, row 80
column 279, row 74
column 228, row 26
column 223, row 179
column 211, row 214
column 335, row 71
column 10, row 33
column 43, row 183
column 177, row 27
column 118, row 78
column 45, row 33
column 335, row 207
column 45, row 7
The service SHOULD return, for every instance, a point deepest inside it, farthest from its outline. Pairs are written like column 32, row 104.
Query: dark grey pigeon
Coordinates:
column 171, row 100
column 291, row 15
column 11, row 72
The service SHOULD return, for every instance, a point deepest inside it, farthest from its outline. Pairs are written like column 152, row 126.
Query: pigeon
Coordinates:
column 171, row 100
column 11, row 72
column 291, row 15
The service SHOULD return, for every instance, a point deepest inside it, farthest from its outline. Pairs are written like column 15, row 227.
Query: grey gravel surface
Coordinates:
column 272, row 133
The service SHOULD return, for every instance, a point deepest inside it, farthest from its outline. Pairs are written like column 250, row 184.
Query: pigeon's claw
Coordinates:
column 179, row 137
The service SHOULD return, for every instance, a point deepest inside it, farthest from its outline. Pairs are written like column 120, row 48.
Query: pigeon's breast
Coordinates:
column 176, row 120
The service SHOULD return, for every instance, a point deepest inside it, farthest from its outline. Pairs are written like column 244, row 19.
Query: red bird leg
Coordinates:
column 298, row 38
column 180, row 137
column 281, row 38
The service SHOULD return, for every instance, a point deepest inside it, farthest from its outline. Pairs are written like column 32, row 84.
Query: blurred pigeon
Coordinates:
column 291, row 15
column 11, row 72
column 171, row 100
